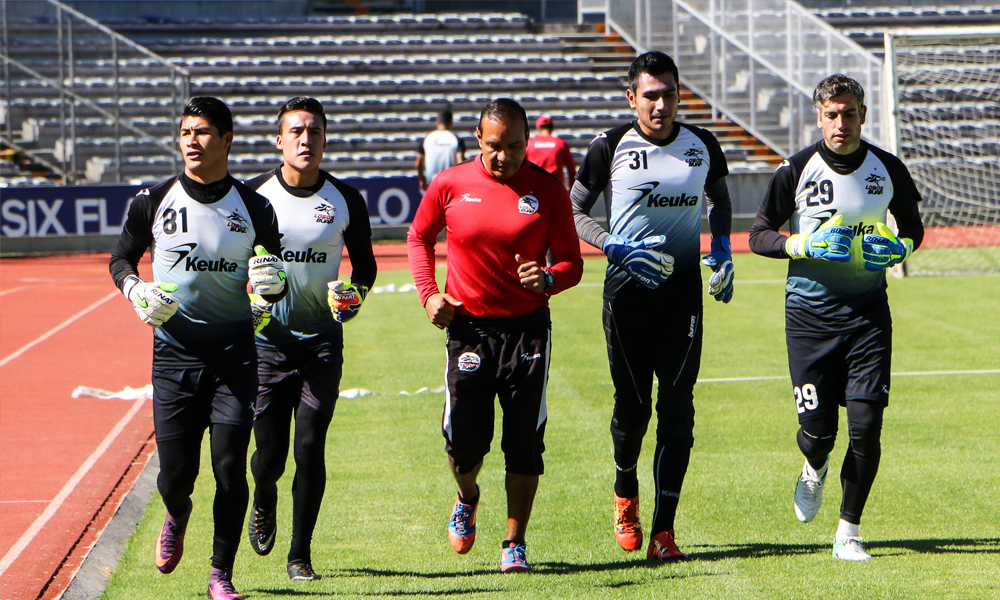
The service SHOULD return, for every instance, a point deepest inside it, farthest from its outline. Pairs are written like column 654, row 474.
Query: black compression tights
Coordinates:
column 179, row 464
column 268, row 463
column 864, row 422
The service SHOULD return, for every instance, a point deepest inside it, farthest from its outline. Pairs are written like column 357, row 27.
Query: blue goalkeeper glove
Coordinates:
column 151, row 301
column 261, row 311
column 648, row 267
column 345, row 299
column 267, row 272
column 885, row 249
column 720, row 260
column 830, row 242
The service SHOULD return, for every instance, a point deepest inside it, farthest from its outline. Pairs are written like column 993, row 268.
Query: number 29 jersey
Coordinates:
column 654, row 187
column 816, row 185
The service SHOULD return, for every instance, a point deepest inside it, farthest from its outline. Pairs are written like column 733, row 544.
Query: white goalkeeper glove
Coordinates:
column 151, row 301
column 345, row 299
column 267, row 272
column 261, row 311
column 648, row 267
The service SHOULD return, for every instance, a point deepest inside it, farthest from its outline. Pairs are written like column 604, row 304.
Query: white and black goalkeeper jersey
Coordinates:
column 316, row 223
column 654, row 187
column 201, row 238
column 816, row 185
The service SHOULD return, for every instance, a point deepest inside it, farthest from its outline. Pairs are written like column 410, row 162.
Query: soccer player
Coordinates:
column 301, row 351
column 656, row 174
column 203, row 227
column 439, row 150
column 834, row 196
column 550, row 152
column 502, row 214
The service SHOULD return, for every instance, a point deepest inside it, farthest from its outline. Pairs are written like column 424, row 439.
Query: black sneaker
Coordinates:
column 261, row 530
column 300, row 570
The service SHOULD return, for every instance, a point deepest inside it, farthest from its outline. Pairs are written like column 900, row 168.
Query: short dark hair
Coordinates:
column 655, row 63
column 305, row 104
column 445, row 118
column 837, row 85
column 212, row 110
column 504, row 110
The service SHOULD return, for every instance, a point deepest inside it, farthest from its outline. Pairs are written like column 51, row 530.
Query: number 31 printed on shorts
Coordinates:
column 806, row 398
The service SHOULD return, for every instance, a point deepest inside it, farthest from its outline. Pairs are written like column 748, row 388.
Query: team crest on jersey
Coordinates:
column 236, row 222
column 874, row 186
column 695, row 158
column 325, row 213
column 527, row 205
column 468, row 362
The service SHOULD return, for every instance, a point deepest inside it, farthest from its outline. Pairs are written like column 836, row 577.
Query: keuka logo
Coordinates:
column 303, row 256
column 325, row 213
column 196, row 263
column 874, row 186
column 658, row 200
column 695, row 158
column 236, row 222
column 862, row 229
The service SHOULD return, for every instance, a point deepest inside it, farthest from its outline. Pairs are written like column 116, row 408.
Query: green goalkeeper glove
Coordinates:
column 345, row 299
column 261, row 311
column 830, row 242
column 885, row 249
column 151, row 301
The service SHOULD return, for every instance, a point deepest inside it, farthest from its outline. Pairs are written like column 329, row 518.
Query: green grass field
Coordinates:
column 932, row 523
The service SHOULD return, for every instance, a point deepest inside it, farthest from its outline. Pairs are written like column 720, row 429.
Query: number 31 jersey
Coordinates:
column 654, row 187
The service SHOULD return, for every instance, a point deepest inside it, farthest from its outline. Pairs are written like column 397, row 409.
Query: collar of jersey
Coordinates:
column 206, row 193
column 840, row 163
column 670, row 138
column 301, row 192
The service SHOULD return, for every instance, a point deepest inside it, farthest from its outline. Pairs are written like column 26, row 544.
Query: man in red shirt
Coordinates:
column 502, row 214
column 550, row 152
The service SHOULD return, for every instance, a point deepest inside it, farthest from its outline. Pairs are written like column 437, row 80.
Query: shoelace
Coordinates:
column 625, row 520
column 517, row 555
column 460, row 520
column 226, row 586
column 260, row 520
column 812, row 486
column 168, row 542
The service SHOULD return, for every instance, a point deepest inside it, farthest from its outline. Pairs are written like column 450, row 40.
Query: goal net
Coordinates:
column 948, row 132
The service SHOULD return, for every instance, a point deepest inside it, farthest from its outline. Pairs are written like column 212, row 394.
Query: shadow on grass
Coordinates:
column 538, row 568
column 924, row 546
column 293, row 593
column 941, row 546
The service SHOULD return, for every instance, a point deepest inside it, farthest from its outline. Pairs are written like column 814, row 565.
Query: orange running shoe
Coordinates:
column 663, row 547
column 462, row 526
column 628, row 531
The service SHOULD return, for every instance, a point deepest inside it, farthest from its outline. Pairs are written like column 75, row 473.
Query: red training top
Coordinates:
column 487, row 222
column 552, row 154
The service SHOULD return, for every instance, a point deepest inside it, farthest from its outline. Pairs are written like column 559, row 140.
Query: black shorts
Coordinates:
column 307, row 371
column 829, row 369
column 488, row 358
column 217, row 386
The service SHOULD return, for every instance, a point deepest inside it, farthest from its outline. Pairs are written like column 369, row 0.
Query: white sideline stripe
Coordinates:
column 737, row 282
column 17, row 289
column 57, row 329
column 67, row 489
column 911, row 374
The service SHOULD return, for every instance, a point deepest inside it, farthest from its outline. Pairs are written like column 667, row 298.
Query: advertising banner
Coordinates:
column 101, row 210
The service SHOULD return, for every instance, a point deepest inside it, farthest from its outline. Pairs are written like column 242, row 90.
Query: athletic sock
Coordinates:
column 470, row 501
column 846, row 530
column 626, row 482
column 669, row 468
column 812, row 471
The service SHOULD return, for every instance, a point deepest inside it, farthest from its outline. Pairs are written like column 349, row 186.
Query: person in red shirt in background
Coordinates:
column 502, row 214
column 551, row 153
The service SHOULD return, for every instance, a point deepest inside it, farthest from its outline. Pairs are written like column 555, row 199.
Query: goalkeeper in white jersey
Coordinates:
column 301, row 348
column 656, row 174
column 835, row 196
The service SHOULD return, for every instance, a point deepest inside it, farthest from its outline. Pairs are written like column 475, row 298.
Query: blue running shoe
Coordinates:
column 514, row 558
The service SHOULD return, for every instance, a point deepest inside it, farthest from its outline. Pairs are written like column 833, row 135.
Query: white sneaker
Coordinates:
column 849, row 548
column 809, row 492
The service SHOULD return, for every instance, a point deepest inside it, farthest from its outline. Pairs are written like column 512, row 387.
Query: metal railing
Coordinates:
column 65, row 73
column 755, row 61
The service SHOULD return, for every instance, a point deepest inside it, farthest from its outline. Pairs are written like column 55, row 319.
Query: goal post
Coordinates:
column 946, row 122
